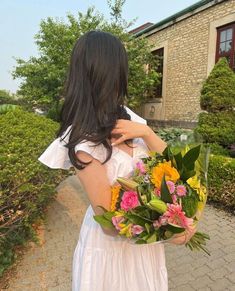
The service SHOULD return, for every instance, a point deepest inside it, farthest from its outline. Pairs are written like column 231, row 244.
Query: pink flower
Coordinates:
column 141, row 167
column 161, row 221
column 171, row 186
column 136, row 229
column 175, row 215
column 129, row 200
column 174, row 198
column 181, row 190
column 116, row 220
column 156, row 224
column 157, row 192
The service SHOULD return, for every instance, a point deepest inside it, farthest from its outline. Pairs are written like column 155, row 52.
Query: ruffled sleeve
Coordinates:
column 56, row 154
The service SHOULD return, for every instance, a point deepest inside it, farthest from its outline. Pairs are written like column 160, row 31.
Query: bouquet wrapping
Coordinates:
column 165, row 195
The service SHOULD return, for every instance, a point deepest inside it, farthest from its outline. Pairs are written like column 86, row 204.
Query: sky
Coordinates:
column 20, row 21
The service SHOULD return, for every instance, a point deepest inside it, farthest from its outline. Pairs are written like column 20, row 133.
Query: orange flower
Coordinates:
column 171, row 174
column 115, row 194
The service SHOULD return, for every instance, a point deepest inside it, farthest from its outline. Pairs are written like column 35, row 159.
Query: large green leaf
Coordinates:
column 108, row 215
column 103, row 221
column 138, row 219
column 179, row 161
column 190, row 203
column 186, row 174
column 174, row 228
column 152, row 238
column 165, row 194
column 190, row 157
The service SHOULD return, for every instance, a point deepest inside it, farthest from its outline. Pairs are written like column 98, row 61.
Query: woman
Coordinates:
column 103, row 139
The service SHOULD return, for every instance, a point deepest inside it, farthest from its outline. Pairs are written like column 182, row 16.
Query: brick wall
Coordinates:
column 187, row 61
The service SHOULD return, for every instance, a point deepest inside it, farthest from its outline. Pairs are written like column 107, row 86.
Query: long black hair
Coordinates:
column 94, row 92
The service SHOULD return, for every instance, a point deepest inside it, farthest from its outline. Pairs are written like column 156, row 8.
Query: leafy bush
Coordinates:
column 7, row 107
column 221, row 180
column 217, row 149
column 54, row 112
column 171, row 135
column 26, row 185
column 218, row 91
column 217, row 127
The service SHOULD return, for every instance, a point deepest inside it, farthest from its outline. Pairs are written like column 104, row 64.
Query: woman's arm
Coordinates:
column 96, row 184
column 154, row 142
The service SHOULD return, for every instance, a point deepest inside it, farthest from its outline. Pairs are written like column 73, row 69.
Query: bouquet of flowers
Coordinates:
column 165, row 195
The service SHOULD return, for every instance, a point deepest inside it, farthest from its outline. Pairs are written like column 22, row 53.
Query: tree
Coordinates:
column 217, row 125
column 218, row 91
column 43, row 77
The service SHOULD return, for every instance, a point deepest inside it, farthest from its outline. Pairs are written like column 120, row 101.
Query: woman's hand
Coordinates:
column 183, row 237
column 128, row 130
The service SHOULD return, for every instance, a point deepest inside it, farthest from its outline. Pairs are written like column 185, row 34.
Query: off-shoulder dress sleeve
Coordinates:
column 56, row 154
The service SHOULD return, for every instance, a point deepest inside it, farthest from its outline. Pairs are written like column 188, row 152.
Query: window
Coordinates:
column 159, row 53
column 226, row 44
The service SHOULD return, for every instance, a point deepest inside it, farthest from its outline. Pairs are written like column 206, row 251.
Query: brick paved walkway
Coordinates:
column 48, row 266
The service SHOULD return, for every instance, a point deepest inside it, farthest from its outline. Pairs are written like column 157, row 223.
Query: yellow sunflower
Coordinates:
column 165, row 168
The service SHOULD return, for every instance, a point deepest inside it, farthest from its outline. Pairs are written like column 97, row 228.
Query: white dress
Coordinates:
column 102, row 262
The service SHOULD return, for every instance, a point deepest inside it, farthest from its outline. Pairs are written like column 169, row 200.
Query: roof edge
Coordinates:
column 173, row 18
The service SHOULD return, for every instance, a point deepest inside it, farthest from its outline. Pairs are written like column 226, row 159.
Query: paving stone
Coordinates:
column 202, row 282
column 221, row 284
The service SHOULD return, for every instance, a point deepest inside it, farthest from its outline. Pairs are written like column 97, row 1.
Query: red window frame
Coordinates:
column 230, row 54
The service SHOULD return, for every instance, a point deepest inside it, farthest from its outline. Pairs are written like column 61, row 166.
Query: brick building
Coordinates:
column 190, row 42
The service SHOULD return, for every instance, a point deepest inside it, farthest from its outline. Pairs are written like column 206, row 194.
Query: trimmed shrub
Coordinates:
column 218, row 91
column 217, row 127
column 218, row 99
column 221, row 181
column 26, row 185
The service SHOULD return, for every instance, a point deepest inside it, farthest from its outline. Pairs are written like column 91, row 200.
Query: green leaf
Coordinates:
column 165, row 194
column 147, row 226
column 191, row 156
column 189, row 203
column 103, row 221
column 179, row 161
column 174, row 228
column 140, row 241
column 167, row 153
column 186, row 174
column 152, row 238
column 108, row 215
column 137, row 219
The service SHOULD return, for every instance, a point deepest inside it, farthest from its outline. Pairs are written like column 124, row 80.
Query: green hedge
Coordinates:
column 221, row 180
column 26, row 185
